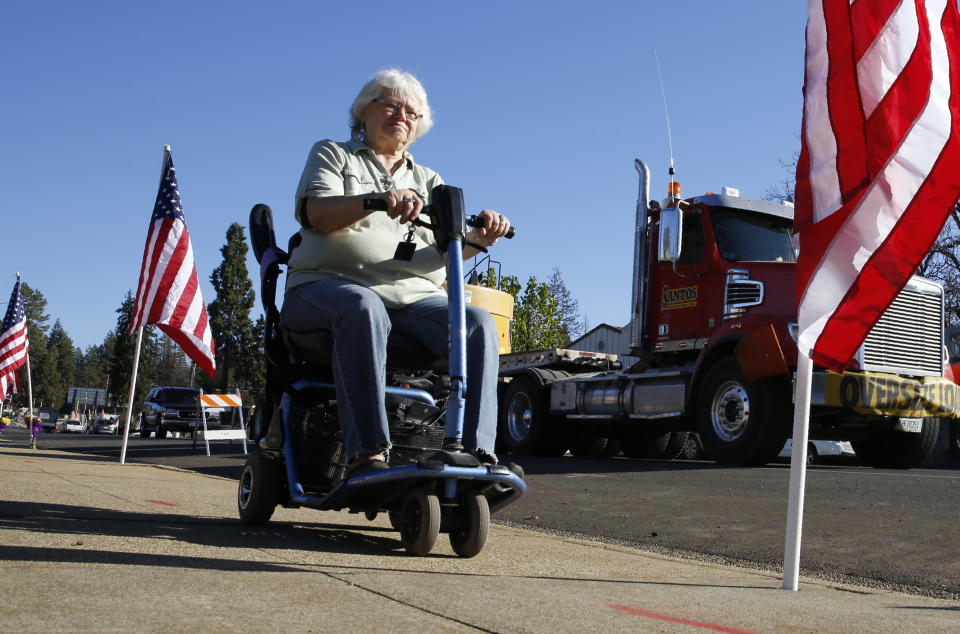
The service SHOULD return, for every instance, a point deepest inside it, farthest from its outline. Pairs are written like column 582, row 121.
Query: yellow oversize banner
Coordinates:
column 892, row 395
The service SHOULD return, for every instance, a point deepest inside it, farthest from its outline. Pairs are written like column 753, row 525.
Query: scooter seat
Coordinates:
column 315, row 347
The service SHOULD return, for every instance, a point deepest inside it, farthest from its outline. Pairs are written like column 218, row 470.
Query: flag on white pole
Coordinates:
column 168, row 294
column 879, row 167
column 14, row 344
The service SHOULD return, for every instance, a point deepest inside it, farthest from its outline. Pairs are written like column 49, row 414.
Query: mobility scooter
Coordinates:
column 431, row 485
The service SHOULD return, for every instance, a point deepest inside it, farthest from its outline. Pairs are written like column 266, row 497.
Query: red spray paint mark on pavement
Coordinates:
column 160, row 502
column 28, row 460
column 673, row 619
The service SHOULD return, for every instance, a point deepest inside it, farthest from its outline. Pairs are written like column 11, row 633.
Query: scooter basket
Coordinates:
column 413, row 441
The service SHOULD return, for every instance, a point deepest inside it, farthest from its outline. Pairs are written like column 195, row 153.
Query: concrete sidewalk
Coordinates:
column 88, row 544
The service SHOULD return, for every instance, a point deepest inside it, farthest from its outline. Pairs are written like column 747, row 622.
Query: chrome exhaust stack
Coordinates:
column 638, row 303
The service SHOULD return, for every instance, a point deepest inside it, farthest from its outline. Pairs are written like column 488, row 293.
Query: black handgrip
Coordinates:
column 262, row 236
column 477, row 221
column 374, row 204
column 379, row 204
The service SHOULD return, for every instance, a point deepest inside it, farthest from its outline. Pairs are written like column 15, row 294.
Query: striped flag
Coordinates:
column 14, row 345
column 169, row 293
column 879, row 167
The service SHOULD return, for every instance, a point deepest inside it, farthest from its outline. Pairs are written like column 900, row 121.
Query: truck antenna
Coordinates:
column 673, row 189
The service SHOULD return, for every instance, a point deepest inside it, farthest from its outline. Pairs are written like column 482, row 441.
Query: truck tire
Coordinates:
column 524, row 426
column 740, row 423
column 890, row 449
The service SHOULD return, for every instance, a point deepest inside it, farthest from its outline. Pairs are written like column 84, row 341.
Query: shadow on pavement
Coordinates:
column 55, row 520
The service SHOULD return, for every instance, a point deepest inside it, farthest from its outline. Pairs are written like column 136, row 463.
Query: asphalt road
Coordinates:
column 890, row 528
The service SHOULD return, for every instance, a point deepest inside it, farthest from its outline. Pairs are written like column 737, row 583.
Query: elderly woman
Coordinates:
column 344, row 277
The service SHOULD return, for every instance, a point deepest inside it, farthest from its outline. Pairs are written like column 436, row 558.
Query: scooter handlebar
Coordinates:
column 379, row 204
column 477, row 221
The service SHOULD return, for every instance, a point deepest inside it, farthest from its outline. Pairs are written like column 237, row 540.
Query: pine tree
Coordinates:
column 238, row 351
column 121, row 360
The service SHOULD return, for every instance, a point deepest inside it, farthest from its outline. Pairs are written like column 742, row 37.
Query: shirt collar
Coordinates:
column 356, row 146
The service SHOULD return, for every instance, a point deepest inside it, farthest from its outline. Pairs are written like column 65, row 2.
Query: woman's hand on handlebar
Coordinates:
column 402, row 204
column 494, row 226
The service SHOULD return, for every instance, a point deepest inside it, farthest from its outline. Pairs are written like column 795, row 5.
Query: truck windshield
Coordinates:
column 744, row 236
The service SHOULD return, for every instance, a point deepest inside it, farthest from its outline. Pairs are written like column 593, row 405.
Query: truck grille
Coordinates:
column 740, row 292
column 908, row 339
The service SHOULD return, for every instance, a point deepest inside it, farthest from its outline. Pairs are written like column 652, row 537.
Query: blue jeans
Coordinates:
column 360, row 324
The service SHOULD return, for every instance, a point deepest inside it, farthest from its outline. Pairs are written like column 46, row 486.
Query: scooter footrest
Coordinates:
column 455, row 459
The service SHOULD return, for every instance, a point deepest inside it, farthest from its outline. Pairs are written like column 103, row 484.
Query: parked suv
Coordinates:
column 173, row 409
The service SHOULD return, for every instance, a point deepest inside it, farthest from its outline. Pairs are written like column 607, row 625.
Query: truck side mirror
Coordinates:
column 668, row 249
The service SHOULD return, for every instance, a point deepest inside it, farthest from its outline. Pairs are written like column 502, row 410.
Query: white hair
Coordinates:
column 397, row 83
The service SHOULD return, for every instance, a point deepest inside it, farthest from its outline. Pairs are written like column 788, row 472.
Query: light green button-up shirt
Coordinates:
column 363, row 252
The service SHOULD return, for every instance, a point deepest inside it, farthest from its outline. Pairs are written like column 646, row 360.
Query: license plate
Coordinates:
column 912, row 425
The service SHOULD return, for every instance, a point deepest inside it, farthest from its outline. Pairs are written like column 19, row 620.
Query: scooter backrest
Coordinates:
column 262, row 236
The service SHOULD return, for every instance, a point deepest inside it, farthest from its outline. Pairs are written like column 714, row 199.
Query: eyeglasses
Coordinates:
column 393, row 108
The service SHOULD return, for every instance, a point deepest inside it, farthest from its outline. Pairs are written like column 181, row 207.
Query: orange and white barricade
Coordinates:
column 221, row 401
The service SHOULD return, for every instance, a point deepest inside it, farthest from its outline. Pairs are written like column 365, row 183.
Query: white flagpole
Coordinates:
column 798, row 472
column 133, row 387
column 136, row 351
column 33, row 439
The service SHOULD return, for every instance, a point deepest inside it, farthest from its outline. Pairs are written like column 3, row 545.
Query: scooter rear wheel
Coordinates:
column 473, row 525
column 420, row 521
column 259, row 489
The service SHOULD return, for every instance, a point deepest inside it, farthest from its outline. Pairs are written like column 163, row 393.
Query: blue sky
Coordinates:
column 540, row 109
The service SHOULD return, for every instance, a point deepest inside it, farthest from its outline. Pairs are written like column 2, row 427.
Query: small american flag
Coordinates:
column 879, row 168
column 13, row 343
column 169, row 293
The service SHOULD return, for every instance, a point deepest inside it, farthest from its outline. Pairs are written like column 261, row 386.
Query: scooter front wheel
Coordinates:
column 420, row 521
column 473, row 525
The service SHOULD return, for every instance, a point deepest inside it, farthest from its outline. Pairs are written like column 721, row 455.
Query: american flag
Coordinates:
column 13, row 343
column 879, row 167
column 169, row 293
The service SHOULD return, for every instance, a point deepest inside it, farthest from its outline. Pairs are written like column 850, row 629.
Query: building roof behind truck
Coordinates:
column 747, row 204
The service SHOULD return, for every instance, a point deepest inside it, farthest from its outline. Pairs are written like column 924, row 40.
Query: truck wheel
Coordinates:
column 144, row 432
column 259, row 489
column 890, row 449
column 741, row 423
column 525, row 427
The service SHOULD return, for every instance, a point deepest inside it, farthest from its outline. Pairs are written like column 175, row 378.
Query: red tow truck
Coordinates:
column 714, row 324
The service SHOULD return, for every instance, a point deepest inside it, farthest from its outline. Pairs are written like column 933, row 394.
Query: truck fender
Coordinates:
column 760, row 355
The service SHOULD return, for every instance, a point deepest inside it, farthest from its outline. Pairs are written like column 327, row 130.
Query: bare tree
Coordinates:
column 942, row 262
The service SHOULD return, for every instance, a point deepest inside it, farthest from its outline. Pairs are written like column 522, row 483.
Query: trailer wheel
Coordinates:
column 525, row 427
column 890, row 449
column 692, row 449
column 741, row 423
column 259, row 489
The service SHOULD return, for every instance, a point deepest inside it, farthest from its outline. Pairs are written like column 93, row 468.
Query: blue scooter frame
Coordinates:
column 448, row 491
